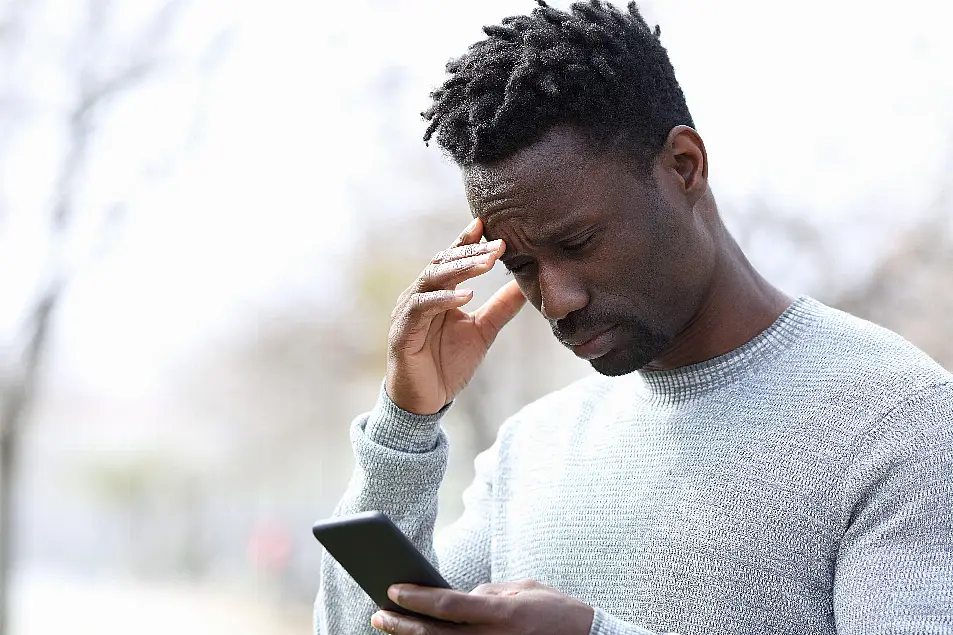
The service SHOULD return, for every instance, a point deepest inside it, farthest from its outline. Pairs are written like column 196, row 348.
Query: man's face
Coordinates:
column 617, row 261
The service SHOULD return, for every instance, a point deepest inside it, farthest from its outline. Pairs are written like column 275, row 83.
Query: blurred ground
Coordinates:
column 48, row 602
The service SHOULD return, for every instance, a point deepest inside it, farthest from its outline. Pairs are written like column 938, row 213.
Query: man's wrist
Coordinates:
column 391, row 426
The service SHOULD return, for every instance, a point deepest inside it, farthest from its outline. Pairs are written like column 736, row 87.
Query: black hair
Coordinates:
column 596, row 68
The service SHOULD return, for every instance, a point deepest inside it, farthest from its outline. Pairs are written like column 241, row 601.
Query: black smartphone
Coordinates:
column 377, row 554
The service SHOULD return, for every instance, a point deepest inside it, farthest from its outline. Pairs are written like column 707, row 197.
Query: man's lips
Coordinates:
column 591, row 346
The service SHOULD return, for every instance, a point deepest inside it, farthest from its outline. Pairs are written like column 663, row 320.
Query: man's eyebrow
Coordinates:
column 561, row 232
column 508, row 254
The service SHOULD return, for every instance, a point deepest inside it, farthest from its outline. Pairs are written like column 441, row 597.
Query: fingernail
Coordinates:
column 377, row 621
column 472, row 223
column 493, row 245
column 460, row 293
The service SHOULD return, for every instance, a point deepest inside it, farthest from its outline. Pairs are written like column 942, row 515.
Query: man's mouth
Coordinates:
column 592, row 345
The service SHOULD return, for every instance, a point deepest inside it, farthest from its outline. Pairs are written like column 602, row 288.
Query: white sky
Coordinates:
column 832, row 109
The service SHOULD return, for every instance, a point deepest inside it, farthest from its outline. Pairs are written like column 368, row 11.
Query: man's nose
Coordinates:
column 559, row 293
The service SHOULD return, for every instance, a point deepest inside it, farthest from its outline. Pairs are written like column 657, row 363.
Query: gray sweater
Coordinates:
column 802, row 483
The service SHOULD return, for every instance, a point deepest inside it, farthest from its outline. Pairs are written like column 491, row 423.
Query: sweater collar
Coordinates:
column 681, row 384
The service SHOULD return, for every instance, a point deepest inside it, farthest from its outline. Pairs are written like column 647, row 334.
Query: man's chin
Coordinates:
column 613, row 364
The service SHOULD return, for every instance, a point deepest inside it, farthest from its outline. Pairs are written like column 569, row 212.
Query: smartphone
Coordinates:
column 377, row 554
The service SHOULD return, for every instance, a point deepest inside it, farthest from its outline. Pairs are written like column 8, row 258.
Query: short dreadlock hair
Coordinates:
column 596, row 68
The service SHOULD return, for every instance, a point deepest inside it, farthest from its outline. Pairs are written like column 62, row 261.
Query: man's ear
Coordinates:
column 685, row 156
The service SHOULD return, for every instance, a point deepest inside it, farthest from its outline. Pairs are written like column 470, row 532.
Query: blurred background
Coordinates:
column 207, row 210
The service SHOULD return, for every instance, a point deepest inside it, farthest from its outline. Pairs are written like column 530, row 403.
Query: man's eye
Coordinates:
column 514, row 269
column 578, row 245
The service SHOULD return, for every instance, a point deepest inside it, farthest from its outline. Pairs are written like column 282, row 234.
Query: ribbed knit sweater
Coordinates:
column 802, row 483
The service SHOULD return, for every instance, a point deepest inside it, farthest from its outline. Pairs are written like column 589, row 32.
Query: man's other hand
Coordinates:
column 512, row 608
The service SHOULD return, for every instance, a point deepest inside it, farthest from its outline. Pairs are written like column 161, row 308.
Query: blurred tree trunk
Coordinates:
column 16, row 393
column 96, row 79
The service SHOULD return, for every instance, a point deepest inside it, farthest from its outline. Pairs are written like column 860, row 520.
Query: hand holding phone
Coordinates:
column 377, row 554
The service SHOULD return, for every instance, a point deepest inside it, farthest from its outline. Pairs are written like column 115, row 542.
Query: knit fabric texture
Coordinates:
column 802, row 483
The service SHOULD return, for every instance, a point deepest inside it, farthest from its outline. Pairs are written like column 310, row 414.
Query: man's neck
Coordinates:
column 738, row 306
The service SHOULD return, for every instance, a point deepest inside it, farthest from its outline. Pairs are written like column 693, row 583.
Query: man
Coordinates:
column 743, row 462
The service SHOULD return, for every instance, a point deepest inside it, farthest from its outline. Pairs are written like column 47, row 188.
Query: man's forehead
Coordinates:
column 559, row 150
column 541, row 216
column 524, row 167
column 487, row 183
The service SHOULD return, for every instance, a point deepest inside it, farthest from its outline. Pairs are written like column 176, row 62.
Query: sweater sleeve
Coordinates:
column 894, row 570
column 605, row 624
column 401, row 459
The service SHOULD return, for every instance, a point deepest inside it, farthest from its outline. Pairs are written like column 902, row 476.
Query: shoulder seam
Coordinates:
column 888, row 416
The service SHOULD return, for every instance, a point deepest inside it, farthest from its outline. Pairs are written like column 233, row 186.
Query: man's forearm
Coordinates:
column 400, row 461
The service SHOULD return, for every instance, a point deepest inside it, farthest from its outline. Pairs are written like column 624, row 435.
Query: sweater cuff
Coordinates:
column 393, row 427
column 605, row 624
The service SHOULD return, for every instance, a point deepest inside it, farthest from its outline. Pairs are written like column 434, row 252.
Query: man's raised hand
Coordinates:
column 435, row 347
